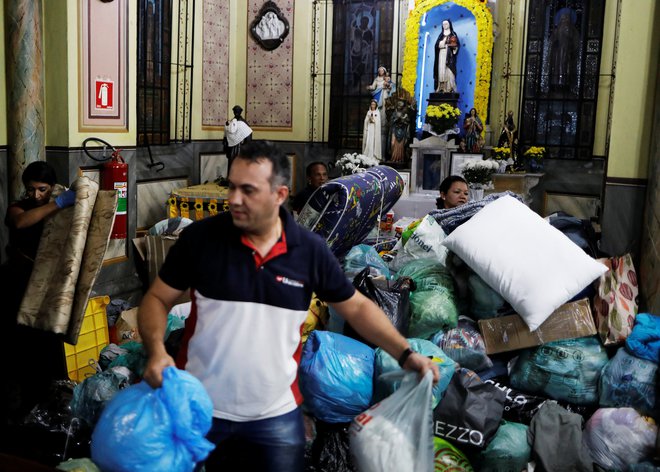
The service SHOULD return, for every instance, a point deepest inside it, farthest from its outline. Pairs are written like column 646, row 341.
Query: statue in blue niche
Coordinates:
column 446, row 52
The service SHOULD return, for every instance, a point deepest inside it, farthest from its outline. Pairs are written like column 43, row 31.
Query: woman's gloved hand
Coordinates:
column 65, row 199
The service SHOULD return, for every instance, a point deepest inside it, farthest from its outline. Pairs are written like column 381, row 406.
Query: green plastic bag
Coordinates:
column 508, row 450
column 431, row 311
column 448, row 458
column 427, row 274
column 432, row 304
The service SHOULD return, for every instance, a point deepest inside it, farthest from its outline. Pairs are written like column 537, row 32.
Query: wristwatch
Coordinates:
column 404, row 356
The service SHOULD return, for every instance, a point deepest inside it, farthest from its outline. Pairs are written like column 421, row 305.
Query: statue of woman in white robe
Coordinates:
column 371, row 138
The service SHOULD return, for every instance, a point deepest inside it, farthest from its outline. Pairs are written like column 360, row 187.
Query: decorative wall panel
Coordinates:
column 215, row 62
column 104, row 64
column 270, row 75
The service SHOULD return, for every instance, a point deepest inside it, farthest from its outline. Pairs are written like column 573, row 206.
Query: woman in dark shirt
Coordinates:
column 35, row 357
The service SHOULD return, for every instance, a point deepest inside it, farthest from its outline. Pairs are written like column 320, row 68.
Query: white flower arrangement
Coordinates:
column 479, row 173
column 353, row 163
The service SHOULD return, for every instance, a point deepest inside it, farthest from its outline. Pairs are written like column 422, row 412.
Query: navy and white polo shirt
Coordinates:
column 243, row 337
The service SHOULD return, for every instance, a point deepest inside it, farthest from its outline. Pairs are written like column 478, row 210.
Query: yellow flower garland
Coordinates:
column 484, row 22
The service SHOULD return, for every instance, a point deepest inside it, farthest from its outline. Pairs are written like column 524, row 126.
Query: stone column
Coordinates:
column 25, row 89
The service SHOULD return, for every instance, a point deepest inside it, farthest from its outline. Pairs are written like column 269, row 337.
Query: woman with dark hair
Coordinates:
column 37, row 356
column 446, row 51
column 453, row 192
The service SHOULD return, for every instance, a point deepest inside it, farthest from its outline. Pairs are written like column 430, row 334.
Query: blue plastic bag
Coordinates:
column 336, row 376
column 644, row 341
column 146, row 429
column 362, row 256
column 384, row 363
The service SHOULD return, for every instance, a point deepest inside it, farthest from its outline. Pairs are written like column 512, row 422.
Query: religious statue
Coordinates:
column 381, row 87
column 564, row 50
column 237, row 132
column 270, row 26
column 473, row 128
column 446, row 51
column 508, row 135
column 371, row 138
column 399, row 131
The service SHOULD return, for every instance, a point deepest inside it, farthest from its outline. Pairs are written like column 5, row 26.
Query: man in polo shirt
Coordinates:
column 251, row 273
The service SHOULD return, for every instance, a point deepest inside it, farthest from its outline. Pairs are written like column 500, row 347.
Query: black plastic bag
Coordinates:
column 393, row 299
column 50, row 433
column 470, row 412
column 519, row 407
column 331, row 450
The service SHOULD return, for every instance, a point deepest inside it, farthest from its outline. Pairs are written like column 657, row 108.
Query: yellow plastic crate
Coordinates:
column 92, row 339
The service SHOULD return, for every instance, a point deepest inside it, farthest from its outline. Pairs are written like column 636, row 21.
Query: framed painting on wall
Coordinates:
column 212, row 166
column 405, row 176
column 583, row 207
column 459, row 159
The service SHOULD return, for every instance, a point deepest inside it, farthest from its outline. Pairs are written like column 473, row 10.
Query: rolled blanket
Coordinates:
column 452, row 218
column 344, row 210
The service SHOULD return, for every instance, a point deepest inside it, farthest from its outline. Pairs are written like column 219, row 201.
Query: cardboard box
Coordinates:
column 126, row 328
column 508, row 333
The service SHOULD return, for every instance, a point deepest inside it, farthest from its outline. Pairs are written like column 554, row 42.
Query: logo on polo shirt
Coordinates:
column 288, row 281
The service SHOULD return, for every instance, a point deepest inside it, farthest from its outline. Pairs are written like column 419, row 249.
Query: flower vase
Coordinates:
column 476, row 193
column 503, row 165
column 535, row 165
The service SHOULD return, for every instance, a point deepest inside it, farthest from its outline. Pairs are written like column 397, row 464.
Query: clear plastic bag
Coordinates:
column 617, row 437
column 363, row 256
column 395, row 434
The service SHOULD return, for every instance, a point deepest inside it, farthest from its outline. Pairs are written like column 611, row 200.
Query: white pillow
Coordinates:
column 533, row 265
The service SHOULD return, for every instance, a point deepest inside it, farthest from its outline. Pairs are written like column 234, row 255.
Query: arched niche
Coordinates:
column 473, row 23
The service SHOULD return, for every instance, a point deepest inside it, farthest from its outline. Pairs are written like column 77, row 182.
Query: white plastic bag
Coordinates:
column 395, row 434
column 424, row 243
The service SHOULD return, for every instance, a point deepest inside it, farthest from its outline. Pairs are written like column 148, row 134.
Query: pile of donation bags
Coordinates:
column 539, row 345
column 113, row 421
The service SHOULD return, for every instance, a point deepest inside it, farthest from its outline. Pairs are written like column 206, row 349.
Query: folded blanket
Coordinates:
column 344, row 210
column 644, row 341
column 452, row 218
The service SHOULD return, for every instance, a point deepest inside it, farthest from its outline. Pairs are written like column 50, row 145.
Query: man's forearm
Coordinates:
column 152, row 323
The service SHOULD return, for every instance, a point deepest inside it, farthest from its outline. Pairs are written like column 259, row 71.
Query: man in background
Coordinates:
column 317, row 175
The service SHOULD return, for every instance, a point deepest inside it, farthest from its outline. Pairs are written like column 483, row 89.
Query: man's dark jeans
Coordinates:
column 271, row 445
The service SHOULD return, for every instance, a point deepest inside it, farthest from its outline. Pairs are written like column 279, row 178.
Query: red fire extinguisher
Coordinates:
column 114, row 176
